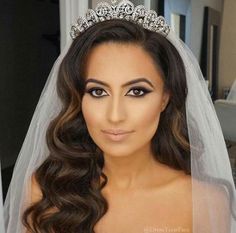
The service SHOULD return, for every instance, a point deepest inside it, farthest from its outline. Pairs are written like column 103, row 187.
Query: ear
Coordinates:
column 165, row 100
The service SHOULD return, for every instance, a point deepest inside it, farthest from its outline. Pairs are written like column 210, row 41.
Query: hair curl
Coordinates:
column 70, row 177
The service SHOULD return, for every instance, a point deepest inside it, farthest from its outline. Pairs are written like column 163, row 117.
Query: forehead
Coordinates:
column 117, row 63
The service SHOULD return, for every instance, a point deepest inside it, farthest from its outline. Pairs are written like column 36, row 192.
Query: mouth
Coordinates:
column 116, row 131
column 116, row 135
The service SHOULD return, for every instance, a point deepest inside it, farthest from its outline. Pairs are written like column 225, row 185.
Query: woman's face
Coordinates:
column 124, row 92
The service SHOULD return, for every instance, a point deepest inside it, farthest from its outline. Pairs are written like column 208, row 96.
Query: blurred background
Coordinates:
column 33, row 32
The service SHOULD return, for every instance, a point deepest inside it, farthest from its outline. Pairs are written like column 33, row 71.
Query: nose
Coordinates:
column 116, row 110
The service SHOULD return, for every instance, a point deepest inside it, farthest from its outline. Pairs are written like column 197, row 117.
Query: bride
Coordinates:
column 124, row 137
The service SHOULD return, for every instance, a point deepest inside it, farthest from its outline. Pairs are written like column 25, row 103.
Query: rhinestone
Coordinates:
column 105, row 11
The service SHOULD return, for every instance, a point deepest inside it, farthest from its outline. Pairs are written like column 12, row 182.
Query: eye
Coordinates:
column 96, row 92
column 139, row 91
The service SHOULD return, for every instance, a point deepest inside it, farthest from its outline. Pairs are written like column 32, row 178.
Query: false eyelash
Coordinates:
column 145, row 91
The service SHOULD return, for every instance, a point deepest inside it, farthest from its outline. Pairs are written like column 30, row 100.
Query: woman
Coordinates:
column 128, row 145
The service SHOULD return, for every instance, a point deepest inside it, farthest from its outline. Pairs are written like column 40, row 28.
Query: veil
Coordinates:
column 213, row 188
column 1, row 204
column 232, row 94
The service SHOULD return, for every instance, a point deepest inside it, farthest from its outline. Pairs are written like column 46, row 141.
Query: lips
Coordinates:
column 116, row 131
column 116, row 135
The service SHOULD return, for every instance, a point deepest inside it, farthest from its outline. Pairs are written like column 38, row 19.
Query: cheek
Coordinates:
column 90, row 114
column 146, row 118
column 148, row 111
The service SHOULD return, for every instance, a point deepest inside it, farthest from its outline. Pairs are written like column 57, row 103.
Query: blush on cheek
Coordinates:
column 151, row 113
column 87, row 110
column 150, row 121
column 93, row 118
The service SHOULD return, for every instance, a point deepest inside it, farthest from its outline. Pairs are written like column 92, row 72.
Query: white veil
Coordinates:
column 213, row 188
column 216, row 195
column 1, row 204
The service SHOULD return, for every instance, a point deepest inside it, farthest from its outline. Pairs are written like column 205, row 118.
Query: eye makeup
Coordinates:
column 124, row 85
column 135, row 90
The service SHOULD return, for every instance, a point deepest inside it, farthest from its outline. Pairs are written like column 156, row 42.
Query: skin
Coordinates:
column 119, row 107
column 135, row 179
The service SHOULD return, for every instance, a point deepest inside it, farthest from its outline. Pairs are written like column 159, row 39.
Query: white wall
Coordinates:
column 182, row 7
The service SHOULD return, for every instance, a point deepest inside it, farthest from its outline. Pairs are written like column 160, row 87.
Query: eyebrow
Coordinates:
column 124, row 85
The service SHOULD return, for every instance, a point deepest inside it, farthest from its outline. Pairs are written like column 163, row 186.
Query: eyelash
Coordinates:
column 144, row 90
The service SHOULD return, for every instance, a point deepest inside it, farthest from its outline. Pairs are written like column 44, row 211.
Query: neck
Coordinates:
column 131, row 171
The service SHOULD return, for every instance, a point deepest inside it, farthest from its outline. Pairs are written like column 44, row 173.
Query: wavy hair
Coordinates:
column 70, row 177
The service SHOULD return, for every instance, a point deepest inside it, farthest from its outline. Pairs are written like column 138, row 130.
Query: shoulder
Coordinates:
column 182, row 181
column 36, row 193
column 217, row 192
column 205, row 192
column 211, row 202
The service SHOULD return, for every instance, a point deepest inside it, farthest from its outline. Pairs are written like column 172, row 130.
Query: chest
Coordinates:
column 167, row 212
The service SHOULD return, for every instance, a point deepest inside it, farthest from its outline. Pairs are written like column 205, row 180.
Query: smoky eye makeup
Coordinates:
column 136, row 91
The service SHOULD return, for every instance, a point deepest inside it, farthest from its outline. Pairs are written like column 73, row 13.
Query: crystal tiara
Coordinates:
column 123, row 10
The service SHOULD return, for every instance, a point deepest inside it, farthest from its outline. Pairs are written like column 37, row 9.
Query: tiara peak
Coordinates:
column 124, row 10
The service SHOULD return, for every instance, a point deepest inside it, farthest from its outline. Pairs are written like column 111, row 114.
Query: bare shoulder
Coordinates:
column 36, row 193
column 182, row 187
column 212, row 202
column 217, row 192
column 203, row 191
column 182, row 180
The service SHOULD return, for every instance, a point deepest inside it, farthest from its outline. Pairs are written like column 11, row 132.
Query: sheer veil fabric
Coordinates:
column 1, row 204
column 213, row 188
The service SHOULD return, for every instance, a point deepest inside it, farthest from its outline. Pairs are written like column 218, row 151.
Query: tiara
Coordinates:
column 123, row 10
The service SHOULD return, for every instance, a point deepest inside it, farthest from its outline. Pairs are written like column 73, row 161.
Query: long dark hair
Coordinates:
column 70, row 177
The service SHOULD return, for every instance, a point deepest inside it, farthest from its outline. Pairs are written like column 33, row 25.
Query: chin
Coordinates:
column 116, row 151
